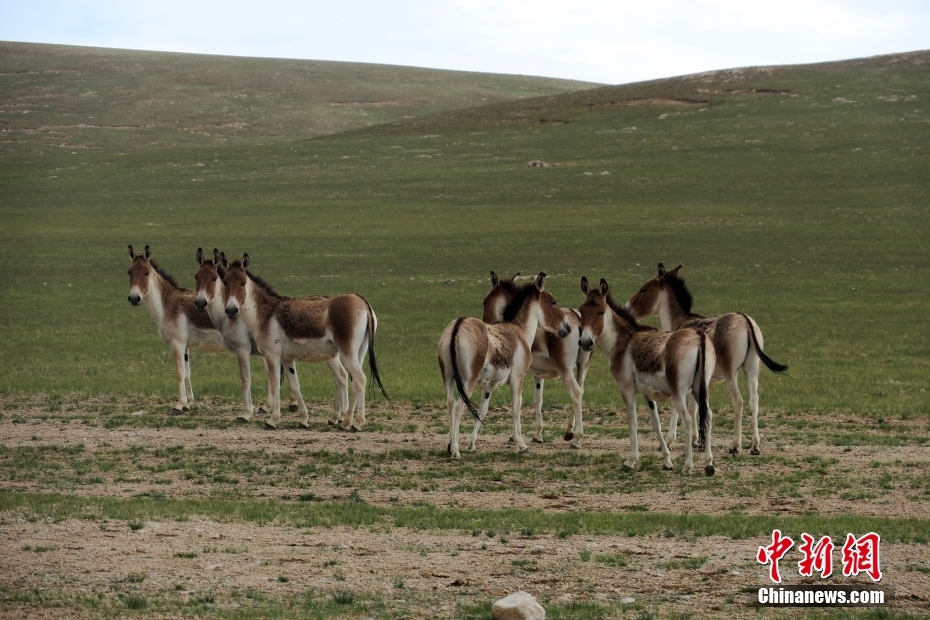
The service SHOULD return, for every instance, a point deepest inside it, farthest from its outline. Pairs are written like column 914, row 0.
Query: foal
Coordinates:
column 235, row 337
column 179, row 323
column 659, row 365
column 310, row 329
column 473, row 353
column 736, row 337
column 553, row 358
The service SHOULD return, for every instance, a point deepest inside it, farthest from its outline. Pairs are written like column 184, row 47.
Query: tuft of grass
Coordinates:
column 343, row 597
column 135, row 601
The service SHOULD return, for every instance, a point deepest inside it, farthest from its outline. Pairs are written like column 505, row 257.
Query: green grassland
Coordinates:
column 796, row 194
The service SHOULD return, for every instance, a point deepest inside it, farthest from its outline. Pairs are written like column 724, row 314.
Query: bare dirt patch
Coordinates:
column 179, row 567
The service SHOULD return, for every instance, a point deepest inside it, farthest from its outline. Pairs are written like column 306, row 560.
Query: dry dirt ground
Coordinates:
column 225, row 567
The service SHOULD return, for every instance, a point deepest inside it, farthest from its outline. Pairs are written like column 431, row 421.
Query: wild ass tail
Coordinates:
column 372, row 362
column 703, row 404
column 768, row 361
column 456, row 375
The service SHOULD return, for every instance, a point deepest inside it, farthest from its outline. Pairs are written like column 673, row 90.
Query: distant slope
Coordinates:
column 91, row 98
column 708, row 89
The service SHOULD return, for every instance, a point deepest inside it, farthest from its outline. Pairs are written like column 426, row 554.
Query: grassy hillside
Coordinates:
column 796, row 194
column 94, row 99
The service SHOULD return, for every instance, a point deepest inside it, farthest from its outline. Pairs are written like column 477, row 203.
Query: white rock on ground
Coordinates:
column 518, row 606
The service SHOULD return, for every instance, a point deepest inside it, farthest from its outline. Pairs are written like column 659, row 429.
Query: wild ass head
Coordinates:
column 502, row 293
column 236, row 283
column 139, row 273
column 593, row 313
column 652, row 296
column 535, row 299
column 209, row 278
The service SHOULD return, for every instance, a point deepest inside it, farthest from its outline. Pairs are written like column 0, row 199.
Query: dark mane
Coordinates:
column 625, row 314
column 261, row 283
column 520, row 295
column 509, row 285
column 681, row 292
column 167, row 277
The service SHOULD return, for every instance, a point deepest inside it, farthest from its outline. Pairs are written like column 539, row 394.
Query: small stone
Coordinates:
column 518, row 606
column 139, row 412
column 628, row 600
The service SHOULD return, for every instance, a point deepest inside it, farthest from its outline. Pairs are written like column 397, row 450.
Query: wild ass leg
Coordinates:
column 516, row 400
column 456, row 406
column 290, row 369
column 708, row 453
column 737, row 398
column 693, row 408
column 689, row 422
column 274, row 381
column 187, row 378
column 672, row 427
column 575, row 431
column 537, row 406
column 657, row 428
column 483, row 414
column 180, row 371
column 359, row 380
column 245, row 384
column 341, row 383
column 268, row 406
column 751, row 368
column 629, row 398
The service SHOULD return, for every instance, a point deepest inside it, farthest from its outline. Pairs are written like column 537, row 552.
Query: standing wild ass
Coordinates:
column 236, row 338
column 737, row 343
column 553, row 357
column 310, row 329
column 179, row 323
column 659, row 365
column 473, row 353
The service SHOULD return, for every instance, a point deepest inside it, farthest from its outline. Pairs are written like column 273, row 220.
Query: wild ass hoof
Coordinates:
column 292, row 408
column 667, row 465
column 304, row 424
column 471, row 447
column 575, row 445
column 456, row 456
column 709, row 471
column 334, row 422
column 628, row 466
column 262, row 409
column 270, row 427
column 241, row 419
column 535, row 440
column 354, row 428
column 755, row 451
column 524, row 450
column 176, row 411
column 734, row 450
column 568, row 436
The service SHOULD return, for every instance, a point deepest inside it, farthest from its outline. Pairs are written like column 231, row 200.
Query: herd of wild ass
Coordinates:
column 523, row 330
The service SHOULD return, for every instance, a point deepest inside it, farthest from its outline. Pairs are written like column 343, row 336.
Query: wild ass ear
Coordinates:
column 223, row 260
column 199, row 256
column 660, row 271
column 605, row 288
column 245, row 261
column 132, row 253
column 148, row 253
column 494, row 279
column 674, row 271
column 216, row 257
column 541, row 281
column 584, row 285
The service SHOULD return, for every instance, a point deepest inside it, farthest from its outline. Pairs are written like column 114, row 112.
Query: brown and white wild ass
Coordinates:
column 310, row 329
column 179, row 322
column 737, row 343
column 236, row 338
column 473, row 353
column 553, row 357
column 659, row 365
